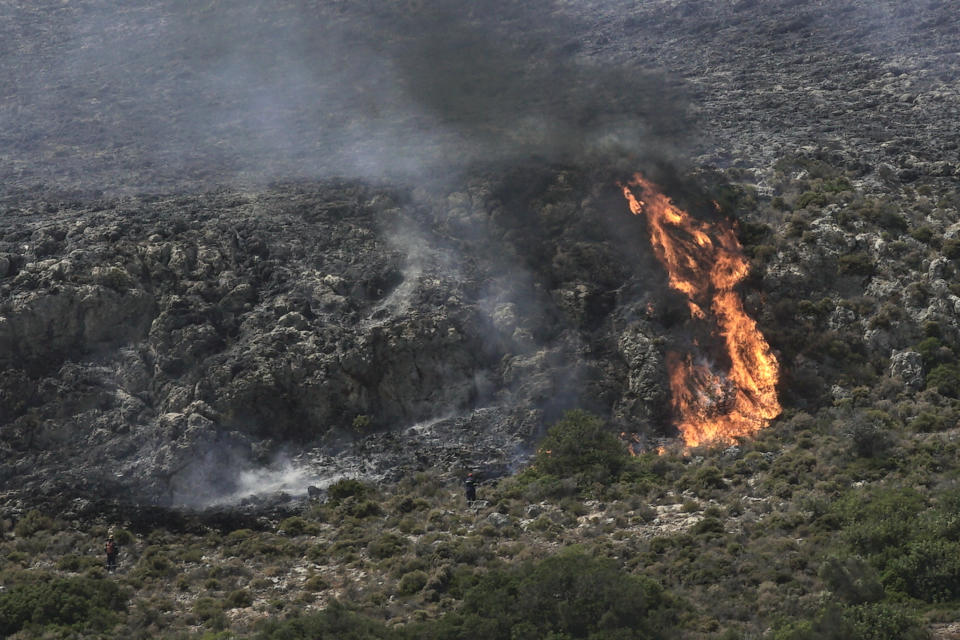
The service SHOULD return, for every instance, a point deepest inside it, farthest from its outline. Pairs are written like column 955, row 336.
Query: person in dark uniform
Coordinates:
column 111, row 548
column 470, row 486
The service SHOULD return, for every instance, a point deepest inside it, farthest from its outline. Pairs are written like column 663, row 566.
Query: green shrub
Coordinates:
column 386, row 546
column 951, row 248
column 580, row 445
column 412, row 583
column 704, row 479
column 924, row 233
column 31, row 523
column 883, row 215
column 708, row 526
column 569, row 595
column 244, row 543
column 881, row 621
column 361, row 424
column 346, row 488
column 239, row 599
column 877, row 522
column 878, row 621
column 930, row 421
column 857, row 263
column 192, row 555
column 79, row 603
column 210, row 612
column 837, row 185
column 297, row 526
column 77, row 563
column 811, row 198
column 752, row 234
column 333, row 623
column 122, row 537
column 409, row 504
column 870, row 434
column 933, row 352
column 927, row 569
column 945, row 379
column 354, row 508
column 154, row 564
column 316, row 583
column 851, row 579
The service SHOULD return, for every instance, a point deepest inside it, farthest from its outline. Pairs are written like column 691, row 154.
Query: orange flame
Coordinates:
column 633, row 443
column 704, row 262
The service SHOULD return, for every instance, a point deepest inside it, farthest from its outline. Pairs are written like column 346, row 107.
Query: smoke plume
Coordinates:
column 169, row 96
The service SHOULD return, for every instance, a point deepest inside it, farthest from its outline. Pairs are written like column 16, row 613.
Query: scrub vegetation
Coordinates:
column 818, row 528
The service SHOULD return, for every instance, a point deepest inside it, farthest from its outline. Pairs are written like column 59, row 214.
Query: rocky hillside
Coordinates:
column 160, row 347
column 181, row 341
column 245, row 250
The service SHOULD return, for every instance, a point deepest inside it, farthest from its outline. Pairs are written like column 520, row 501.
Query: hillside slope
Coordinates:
column 245, row 250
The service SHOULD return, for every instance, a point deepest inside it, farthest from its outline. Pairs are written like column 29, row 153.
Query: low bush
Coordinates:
column 346, row 488
column 851, row 579
column 927, row 569
column 870, row 434
column 77, row 603
column 951, row 248
column 945, row 379
column 297, row 526
column 335, row 622
column 155, row 564
column 811, row 198
column 878, row 521
column 580, row 445
column 77, row 563
column 210, row 612
column 31, row 523
column 879, row 621
column 316, row 583
column 239, row 599
column 353, row 507
column 930, row 421
column 857, row 263
column 386, row 546
column 412, row 583
column 569, row 595
column 708, row 526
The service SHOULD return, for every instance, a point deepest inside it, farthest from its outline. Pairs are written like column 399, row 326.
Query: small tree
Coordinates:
column 580, row 445
column 871, row 434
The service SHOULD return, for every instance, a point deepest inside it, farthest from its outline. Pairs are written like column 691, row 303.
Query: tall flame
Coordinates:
column 704, row 262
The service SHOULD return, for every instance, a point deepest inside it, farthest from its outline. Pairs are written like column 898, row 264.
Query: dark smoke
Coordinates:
column 170, row 95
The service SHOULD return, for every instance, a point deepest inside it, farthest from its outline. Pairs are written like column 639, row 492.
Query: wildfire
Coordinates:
column 632, row 440
column 704, row 261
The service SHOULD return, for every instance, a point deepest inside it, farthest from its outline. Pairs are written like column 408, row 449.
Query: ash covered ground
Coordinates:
column 246, row 248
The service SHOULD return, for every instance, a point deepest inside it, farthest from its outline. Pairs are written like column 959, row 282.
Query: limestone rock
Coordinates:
column 907, row 366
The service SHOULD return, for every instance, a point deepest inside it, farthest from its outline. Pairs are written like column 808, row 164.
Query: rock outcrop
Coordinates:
column 158, row 350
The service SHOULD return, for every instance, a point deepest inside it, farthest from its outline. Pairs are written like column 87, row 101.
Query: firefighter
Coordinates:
column 111, row 549
column 470, row 486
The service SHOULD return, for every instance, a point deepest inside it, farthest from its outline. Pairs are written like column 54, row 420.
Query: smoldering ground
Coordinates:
column 166, row 96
